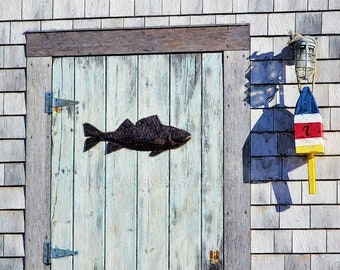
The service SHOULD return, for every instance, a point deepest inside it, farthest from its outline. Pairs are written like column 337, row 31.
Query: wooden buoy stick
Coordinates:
column 311, row 173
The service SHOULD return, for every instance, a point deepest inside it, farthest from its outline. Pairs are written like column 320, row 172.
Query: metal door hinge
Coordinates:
column 51, row 102
column 50, row 253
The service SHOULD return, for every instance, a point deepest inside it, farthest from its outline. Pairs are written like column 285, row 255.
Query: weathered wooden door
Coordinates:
column 127, row 210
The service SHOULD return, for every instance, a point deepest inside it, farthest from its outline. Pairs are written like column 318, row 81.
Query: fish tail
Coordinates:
column 95, row 136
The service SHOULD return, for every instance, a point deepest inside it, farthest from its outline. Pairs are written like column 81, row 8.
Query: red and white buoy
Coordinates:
column 308, row 130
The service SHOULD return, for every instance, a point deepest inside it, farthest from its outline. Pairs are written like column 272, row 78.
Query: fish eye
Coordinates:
column 178, row 133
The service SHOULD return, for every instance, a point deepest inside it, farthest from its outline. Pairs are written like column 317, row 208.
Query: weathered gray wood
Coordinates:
column 62, row 161
column 138, row 41
column 332, row 140
column 2, row 174
column 12, row 127
column 327, row 168
column 221, row 6
column 272, row 72
column 12, row 221
column 12, row 80
column 328, row 71
column 14, row 245
column 37, row 10
column 122, row 8
column 236, row 163
column 185, row 167
column 89, row 177
column 212, row 157
column 38, row 173
column 148, row 7
column 301, row 262
column 153, row 174
column 1, row 245
column 97, row 8
column 14, row 174
column 14, row 103
column 191, row 7
column 121, row 166
column 68, row 9
column 171, row 7
column 87, row 24
column 12, row 150
column 12, row 263
column 12, row 198
column 2, row 57
column 11, row 12
column 1, row 103
column 14, row 56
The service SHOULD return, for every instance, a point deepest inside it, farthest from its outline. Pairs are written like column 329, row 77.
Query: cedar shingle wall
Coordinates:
column 290, row 228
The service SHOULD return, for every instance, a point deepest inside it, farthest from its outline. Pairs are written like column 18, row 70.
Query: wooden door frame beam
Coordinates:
column 138, row 41
column 231, row 40
column 38, row 162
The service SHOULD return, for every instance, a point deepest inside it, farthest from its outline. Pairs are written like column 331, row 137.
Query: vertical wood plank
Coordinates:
column 212, row 157
column 121, row 166
column 62, row 162
column 185, row 166
column 38, row 150
column 89, row 178
column 153, row 172
column 236, row 163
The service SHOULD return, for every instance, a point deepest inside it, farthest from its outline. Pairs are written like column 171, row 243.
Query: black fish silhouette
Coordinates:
column 149, row 134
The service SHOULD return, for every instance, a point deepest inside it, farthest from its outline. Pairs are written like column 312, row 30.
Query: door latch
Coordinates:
column 214, row 257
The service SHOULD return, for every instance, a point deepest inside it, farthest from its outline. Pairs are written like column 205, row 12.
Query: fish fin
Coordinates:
column 125, row 125
column 94, row 134
column 112, row 147
column 91, row 131
column 149, row 121
column 158, row 141
column 90, row 142
column 155, row 153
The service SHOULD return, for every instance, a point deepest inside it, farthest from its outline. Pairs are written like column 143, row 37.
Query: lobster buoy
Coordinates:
column 308, row 131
